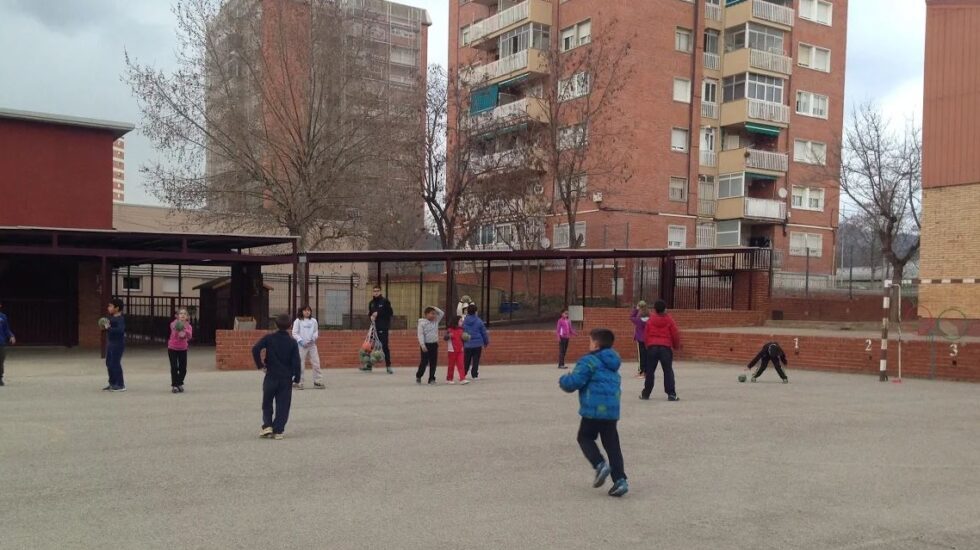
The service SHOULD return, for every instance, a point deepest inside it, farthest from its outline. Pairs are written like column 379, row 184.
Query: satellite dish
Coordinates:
column 545, row 242
column 782, row 192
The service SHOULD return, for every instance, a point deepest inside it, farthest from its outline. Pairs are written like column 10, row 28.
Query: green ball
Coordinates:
column 467, row 337
column 741, row 378
column 179, row 325
column 104, row 322
column 377, row 356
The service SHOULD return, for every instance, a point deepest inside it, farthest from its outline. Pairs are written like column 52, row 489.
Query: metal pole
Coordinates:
column 899, row 287
column 697, row 297
column 510, row 267
column 807, row 281
column 850, row 278
column 568, row 274
column 585, row 272
column 153, row 311
column 885, row 308
column 751, row 276
column 449, row 290
column 387, row 283
column 421, row 291
column 540, row 276
column 642, row 277
column 487, row 314
column 377, row 278
column 129, row 287
column 305, row 293
column 350, row 307
column 615, row 282
column 289, row 286
column 180, row 284
column 316, row 293
column 105, row 300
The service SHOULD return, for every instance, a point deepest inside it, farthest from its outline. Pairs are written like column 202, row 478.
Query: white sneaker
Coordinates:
column 451, row 382
column 463, row 382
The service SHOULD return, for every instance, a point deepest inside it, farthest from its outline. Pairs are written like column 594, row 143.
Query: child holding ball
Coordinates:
column 181, row 333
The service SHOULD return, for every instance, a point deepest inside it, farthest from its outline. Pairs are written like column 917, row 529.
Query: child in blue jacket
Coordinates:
column 596, row 377
column 477, row 339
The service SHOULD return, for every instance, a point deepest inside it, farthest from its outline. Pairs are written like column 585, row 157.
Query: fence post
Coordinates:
column 807, row 278
column 697, row 299
column 180, row 284
column 449, row 290
column 510, row 268
column 316, row 292
column 615, row 282
column 540, row 276
column 585, row 272
column 421, row 291
column 153, row 309
column 751, row 277
column 350, row 307
column 850, row 278
column 568, row 275
column 489, row 266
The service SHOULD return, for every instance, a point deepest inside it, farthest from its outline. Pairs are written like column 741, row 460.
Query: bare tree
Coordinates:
column 273, row 120
column 881, row 174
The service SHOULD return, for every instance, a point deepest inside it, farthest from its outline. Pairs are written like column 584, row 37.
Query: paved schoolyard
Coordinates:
column 828, row 461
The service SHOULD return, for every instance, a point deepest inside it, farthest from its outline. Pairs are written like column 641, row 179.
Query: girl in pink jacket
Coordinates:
column 180, row 335
column 565, row 331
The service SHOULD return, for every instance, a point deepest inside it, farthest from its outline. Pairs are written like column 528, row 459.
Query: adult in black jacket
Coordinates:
column 770, row 352
column 381, row 313
column 282, row 369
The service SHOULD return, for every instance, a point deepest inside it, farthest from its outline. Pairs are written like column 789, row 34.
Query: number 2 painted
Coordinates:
column 867, row 345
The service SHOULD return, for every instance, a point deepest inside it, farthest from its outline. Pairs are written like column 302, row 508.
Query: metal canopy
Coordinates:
column 514, row 255
column 763, row 129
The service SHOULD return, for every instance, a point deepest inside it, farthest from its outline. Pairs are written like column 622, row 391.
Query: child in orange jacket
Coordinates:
column 454, row 335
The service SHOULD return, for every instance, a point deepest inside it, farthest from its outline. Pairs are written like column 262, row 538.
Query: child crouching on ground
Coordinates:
column 596, row 378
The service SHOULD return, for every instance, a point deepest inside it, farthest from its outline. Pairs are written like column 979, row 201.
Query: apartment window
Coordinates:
column 678, row 139
column 578, row 85
column 561, row 236
column 574, row 186
column 811, row 104
column 676, row 236
column 814, row 57
column 731, row 185
column 708, row 134
column 709, row 91
column 171, row 285
column 800, row 243
column 571, row 137
column 678, row 189
column 576, row 35
column 682, row 90
column 810, row 152
column 818, row 11
column 728, row 233
column 767, row 39
column 808, row 198
column 734, row 87
column 683, row 40
column 765, row 88
column 711, row 41
column 535, row 36
column 133, row 284
column 504, row 234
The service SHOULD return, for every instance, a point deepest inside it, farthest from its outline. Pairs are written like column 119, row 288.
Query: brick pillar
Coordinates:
column 754, row 284
column 90, row 306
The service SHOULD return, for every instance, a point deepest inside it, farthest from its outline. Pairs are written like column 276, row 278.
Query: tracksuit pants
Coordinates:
column 383, row 336
column 277, row 394
column 455, row 365
column 178, row 366
column 113, row 364
column 765, row 364
column 429, row 357
column 641, row 352
column 3, row 357
column 588, row 431
column 312, row 356
column 562, row 351
column 665, row 357
column 471, row 361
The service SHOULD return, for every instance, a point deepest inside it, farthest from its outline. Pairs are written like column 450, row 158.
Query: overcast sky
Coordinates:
column 66, row 57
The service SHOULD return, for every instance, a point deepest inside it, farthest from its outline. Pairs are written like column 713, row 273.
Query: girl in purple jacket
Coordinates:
column 639, row 316
column 565, row 331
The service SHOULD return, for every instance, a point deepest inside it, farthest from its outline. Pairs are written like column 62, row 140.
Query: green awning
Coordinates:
column 763, row 129
column 513, row 81
column 757, row 176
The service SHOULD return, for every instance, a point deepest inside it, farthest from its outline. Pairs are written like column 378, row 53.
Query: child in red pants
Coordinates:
column 454, row 335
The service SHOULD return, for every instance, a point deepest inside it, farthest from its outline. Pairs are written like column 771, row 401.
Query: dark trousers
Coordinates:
column 383, row 336
column 178, row 366
column 562, row 351
column 113, row 364
column 3, row 357
column 765, row 364
column 280, row 392
column 665, row 357
column 641, row 351
column 471, row 361
column 588, row 431
column 429, row 357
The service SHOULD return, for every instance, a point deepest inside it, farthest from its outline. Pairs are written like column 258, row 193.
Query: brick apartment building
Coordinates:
column 734, row 109
column 950, row 164
column 119, row 170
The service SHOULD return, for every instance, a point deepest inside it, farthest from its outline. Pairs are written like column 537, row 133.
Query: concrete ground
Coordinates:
column 374, row 461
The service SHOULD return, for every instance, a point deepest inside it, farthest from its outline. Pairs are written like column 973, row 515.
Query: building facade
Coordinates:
column 950, row 164
column 732, row 112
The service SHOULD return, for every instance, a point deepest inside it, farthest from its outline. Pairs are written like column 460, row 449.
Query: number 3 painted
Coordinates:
column 867, row 345
column 953, row 350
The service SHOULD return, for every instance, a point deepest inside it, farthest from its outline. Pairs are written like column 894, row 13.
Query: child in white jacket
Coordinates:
column 306, row 330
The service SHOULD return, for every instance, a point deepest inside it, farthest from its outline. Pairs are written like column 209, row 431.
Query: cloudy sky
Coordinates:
column 66, row 57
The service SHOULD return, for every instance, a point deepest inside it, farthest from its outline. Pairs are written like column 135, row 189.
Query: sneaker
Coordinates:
column 389, row 369
column 418, row 380
column 451, row 382
column 639, row 375
column 174, row 390
column 673, row 398
column 180, row 389
column 753, row 379
column 365, row 369
column 785, row 381
column 562, row 367
column 266, row 432
column 319, row 386
column 644, row 397
column 298, row 386
column 117, row 388
column 619, row 488
column 601, row 473
column 107, row 388
column 463, row 382
column 277, row 437
column 432, row 381
column 1, row 382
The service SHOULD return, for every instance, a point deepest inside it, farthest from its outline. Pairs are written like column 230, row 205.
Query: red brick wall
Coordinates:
column 835, row 307
column 90, row 306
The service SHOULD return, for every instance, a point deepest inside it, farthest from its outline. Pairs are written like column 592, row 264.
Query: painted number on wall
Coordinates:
column 867, row 345
column 796, row 344
column 954, row 350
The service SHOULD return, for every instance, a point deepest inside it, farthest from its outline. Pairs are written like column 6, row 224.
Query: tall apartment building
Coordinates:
column 950, row 164
column 732, row 111
column 119, row 170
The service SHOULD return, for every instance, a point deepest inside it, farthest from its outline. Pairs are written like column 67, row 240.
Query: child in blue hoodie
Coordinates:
column 596, row 378
column 477, row 339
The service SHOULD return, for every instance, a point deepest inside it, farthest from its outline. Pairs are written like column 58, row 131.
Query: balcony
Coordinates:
column 507, row 161
column 707, row 207
column 712, row 61
column 527, row 61
column 749, row 208
column 710, row 110
column 754, row 110
column 482, row 33
column 754, row 160
column 712, row 12
column 757, row 61
column 510, row 114
column 708, row 158
column 739, row 12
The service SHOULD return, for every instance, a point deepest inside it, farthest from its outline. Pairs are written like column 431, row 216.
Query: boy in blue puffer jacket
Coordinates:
column 596, row 377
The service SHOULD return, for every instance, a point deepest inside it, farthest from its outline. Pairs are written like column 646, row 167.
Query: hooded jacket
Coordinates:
column 661, row 330
column 382, row 307
column 639, row 325
column 596, row 378
column 474, row 326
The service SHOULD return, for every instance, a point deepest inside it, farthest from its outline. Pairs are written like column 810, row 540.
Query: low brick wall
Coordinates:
column 828, row 307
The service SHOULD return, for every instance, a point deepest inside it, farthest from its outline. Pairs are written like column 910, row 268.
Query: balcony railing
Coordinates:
column 497, row 161
column 508, row 114
column 767, row 110
column 773, row 12
column 712, row 12
column 709, row 158
column 498, row 21
column 767, row 160
column 519, row 61
column 706, row 207
column 712, row 61
column 709, row 110
column 770, row 61
column 765, row 209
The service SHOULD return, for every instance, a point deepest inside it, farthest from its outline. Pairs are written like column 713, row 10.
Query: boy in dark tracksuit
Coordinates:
column 115, row 346
column 596, row 378
column 282, row 370
column 6, row 337
column 770, row 352
column 381, row 313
